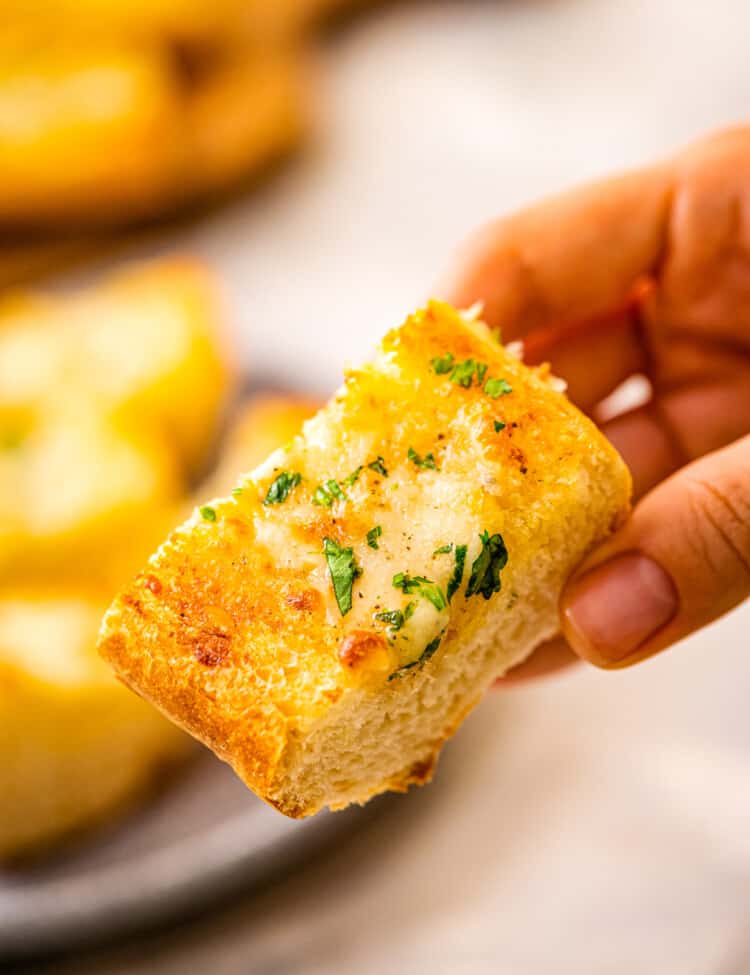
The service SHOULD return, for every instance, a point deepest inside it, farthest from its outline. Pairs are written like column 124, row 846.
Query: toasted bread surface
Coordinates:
column 329, row 625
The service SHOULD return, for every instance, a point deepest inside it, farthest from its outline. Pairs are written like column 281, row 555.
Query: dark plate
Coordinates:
column 202, row 838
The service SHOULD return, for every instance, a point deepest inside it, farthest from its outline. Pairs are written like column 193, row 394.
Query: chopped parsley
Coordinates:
column 237, row 492
column 442, row 363
column 333, row 488
column 429, row 651
column 373, row 535
column 378, row 466
column 420, row 586
column 426, row 463
column 322, row 497
column 344, row 570
column 485, row 571
column 497, row 387
column 395, row 618
column 499, row 425
column 463, row 374
column 208, row 513
column 354, row 476
column 324, row 494
column 281, row 486
column 443, row 550
column 458, row 572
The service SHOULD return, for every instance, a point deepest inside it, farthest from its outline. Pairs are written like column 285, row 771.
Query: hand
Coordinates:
column 647, row 273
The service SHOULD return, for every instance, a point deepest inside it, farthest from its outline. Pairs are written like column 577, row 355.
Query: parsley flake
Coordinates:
column 321, row 497
column 429, row 651
column 499, row 425
column 208, row 513
column 485, row 571
column 237, row 492
column 344, row 570
column 458, row 572
column 324, row 494
column 497, row 387
column 334, row 489
column 420, row 586
column 442, row 364
column 463, row 373
column 379, row 467
column 373, row 535
column 426, row 463
column 395, row 618
column 281, row 486
column 443, row 550
column 354, row 476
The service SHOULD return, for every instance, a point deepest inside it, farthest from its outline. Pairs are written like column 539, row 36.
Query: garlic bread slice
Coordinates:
column 326, row 627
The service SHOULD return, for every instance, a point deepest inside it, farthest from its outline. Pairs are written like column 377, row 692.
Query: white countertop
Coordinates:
column 591, row 823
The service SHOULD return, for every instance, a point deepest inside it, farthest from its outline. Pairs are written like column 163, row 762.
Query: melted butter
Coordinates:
column 418, row 511
column 425, row 625
column 416, row 519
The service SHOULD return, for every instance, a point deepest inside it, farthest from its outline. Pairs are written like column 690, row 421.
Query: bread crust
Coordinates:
column 237, row 633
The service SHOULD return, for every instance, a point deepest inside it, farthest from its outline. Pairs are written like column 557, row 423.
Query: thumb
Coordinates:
column 682, row 561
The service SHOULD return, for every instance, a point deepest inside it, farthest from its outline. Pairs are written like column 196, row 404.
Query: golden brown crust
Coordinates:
column 234, row 648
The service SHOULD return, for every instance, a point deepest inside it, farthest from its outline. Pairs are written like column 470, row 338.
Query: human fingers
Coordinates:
column 553, row 656
column 680, row 562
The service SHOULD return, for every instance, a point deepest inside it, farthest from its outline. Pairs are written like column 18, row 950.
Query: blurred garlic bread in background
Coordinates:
column 187, row 21
column 23, row 259
column 265, row 423
column 302, row 15
column 80, row 494
column 101, row 125
column 184, row 21
column 147, row 343
column 327, row 626
column 110, row 400
column 74, row 744
column 116, row 112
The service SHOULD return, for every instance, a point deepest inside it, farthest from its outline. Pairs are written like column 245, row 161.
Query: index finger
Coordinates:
column 570, row 257
column 565, row 274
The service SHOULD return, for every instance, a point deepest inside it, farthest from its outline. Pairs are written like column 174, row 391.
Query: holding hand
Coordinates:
column 647, row 273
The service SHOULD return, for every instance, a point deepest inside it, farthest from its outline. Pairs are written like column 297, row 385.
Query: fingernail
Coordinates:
column 612, row 610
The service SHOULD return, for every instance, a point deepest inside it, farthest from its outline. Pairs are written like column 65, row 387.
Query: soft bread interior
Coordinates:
column 388, row 739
